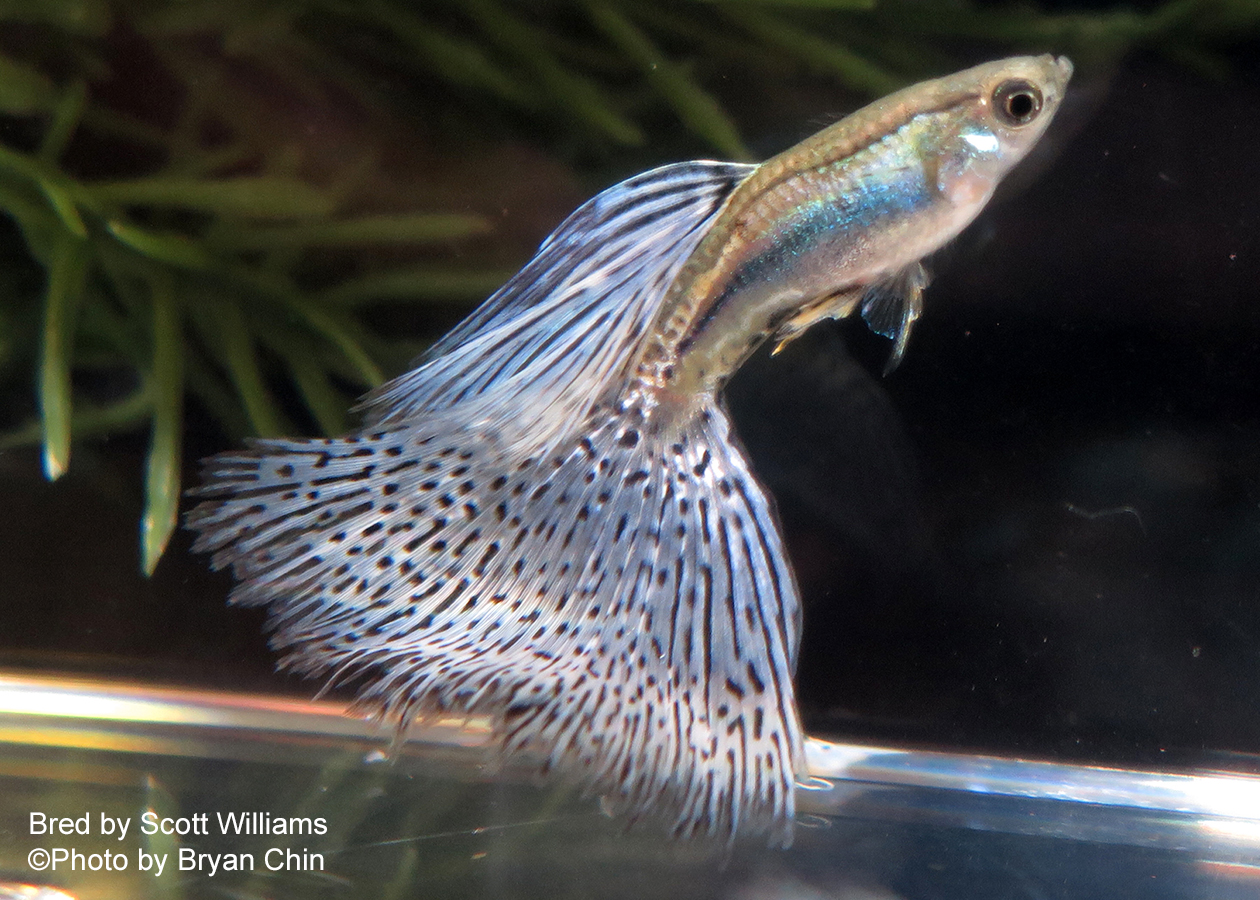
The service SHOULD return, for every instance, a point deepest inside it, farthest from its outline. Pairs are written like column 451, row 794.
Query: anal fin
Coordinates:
column 891, row 307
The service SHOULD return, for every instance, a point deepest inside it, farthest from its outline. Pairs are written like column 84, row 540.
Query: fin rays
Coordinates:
column 615, row 256
column 621, row 607
column 517, row 533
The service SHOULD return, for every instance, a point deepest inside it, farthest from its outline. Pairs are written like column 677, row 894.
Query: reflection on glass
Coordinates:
column 246, row 783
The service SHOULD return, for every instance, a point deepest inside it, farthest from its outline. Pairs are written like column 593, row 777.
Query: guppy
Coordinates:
column 549, row 521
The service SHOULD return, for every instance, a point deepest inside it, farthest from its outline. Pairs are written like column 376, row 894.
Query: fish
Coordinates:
column 549, row 521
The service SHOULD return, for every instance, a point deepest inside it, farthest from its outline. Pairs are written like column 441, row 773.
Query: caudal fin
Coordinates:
column 620, row 606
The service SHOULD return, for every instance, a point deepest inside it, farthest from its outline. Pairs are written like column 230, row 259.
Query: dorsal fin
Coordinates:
column 557, row 336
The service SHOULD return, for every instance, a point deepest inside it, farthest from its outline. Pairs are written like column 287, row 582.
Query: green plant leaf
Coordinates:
column 337, row 328
column 59, row 190
column 162, row 478
column 31, row 213
column 458, row 60
column 24, row 91
column 816, row 4
column 570, row 91
column 326, row 403
column 88, row 18
column 64, row 206
column 66, row 281
column 251, row 197
column 227, row 334
column 172, row 249
column 819, row 53
column 341, row 334
column 421, row 284
column 66, row 117
column 695, row 106
column 399, row 228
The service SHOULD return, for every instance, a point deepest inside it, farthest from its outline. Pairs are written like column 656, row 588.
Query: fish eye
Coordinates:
column 1017, row 102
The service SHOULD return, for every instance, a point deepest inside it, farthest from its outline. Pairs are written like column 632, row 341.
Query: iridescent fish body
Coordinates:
column 549, row 522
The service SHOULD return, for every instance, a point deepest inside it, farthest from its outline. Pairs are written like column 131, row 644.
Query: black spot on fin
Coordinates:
column 620, row 605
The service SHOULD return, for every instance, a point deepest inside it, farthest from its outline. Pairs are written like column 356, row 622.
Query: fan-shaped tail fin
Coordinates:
column 619, row 605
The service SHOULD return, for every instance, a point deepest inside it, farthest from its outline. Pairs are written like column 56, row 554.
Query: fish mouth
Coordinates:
column 1056, row 72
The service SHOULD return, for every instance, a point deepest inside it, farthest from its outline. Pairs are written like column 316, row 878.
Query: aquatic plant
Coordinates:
column 200, row 200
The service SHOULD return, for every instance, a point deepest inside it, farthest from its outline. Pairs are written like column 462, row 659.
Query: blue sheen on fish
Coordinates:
column 549, row 522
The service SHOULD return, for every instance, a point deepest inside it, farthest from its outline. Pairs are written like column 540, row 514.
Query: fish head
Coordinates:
column 999, row 112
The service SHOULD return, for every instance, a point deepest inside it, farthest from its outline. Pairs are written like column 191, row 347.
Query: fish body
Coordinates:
column 549, row 521
column 849, row 211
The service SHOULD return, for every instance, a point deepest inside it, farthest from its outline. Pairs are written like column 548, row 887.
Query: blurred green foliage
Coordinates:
column 199, row 192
